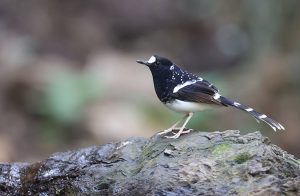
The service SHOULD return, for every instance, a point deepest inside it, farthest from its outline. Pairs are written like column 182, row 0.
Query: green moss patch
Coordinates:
column 242, row 158
column 221, row 149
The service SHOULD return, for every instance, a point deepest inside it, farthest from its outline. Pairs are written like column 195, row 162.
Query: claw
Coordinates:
column 177, row 135
column 187, row 131
column 166, row 131
column 173, row 137
column 163, row 132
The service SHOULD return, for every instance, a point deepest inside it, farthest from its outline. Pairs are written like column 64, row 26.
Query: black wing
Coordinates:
column 205, row 82
column 200, row 92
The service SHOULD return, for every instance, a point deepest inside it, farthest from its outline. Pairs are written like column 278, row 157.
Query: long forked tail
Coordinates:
column 257, row 115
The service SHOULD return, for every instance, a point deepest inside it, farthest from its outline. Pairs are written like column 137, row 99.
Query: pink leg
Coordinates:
column 173, row 126
column 182, row 128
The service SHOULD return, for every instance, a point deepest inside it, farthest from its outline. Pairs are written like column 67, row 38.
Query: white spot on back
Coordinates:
column 249, row 109
column 236, row 104
column 217, row 96
column 178, row 87
column 262, row 116
column 172, row 67
column 152, row 59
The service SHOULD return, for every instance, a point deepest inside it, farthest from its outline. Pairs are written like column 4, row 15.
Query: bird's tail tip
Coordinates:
column 257, row 115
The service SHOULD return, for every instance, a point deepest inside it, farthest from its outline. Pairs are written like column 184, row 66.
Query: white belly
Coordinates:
column 186, row 107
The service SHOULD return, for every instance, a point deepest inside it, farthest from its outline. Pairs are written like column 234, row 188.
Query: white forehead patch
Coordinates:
column 152, row 59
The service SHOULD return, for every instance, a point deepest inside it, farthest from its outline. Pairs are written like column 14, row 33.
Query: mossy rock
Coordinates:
column 198, row 163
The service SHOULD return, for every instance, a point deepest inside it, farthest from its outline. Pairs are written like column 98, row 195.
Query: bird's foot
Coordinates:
column 187, row 131
column 173, row 136
column 177, row 135
column 167, row 131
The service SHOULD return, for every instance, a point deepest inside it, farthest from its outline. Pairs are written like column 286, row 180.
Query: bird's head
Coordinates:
column 157, row 62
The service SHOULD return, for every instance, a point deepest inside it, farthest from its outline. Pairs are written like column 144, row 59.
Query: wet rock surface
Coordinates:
column 199, row 163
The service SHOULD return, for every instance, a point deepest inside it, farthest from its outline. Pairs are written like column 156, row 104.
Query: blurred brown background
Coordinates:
column 68, row 77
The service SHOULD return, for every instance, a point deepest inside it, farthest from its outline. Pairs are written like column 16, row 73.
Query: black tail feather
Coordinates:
column 257, row 115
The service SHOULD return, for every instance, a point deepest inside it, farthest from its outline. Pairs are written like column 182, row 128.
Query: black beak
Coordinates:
column 142, row 62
